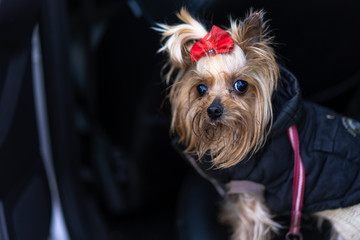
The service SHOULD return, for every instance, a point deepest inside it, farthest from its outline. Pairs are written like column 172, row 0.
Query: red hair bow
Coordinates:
column 216, row 41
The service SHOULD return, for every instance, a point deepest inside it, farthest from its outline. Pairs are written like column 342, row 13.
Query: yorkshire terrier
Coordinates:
column 235, row 109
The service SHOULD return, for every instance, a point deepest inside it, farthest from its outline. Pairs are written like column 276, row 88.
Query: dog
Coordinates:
column 239, row 119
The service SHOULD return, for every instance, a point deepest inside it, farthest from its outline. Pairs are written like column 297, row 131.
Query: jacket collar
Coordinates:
column 287, row 103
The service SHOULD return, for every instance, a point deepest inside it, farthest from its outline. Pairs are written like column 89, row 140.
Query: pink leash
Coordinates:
column 298, row 186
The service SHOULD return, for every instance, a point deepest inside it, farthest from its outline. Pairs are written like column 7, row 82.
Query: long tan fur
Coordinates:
column 249, row 217
column 345, row 222
column 244, row 126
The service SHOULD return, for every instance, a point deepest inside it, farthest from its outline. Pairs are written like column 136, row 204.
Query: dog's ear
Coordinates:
column 179, row 39
column 251, row 30
column 253, row 26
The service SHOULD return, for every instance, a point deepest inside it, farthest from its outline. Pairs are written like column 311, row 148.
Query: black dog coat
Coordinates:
column 329, row 147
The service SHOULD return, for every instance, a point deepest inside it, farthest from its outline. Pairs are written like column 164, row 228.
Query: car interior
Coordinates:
column 85, row 149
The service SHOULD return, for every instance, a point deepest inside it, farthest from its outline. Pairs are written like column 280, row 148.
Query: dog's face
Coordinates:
column 221, row 103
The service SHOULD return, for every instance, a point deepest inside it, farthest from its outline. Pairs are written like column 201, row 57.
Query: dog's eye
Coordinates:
column 241, row 86
column 202, row 89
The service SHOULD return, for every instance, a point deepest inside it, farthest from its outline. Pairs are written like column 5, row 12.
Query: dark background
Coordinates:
column 118, row 175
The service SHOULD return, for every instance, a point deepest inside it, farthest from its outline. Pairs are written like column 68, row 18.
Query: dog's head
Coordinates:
column 221, row 83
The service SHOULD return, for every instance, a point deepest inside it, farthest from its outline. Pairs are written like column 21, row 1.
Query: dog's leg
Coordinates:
column 345, row 222
column 248, row 216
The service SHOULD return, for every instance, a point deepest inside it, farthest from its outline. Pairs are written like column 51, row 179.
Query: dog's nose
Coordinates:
column 215, row 110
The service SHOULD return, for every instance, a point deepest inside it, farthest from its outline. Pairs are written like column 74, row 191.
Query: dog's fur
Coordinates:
column 246, row 118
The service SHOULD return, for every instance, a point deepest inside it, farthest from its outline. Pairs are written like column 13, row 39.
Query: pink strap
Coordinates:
column 298, row 186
